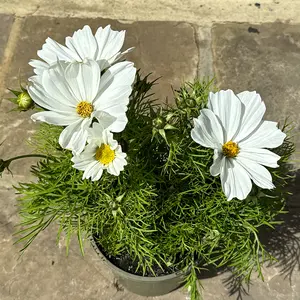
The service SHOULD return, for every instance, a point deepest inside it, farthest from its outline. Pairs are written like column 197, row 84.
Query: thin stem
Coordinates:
column 26, row 155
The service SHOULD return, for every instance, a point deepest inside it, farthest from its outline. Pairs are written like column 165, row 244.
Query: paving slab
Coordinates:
column 6, row 22
column 264, row 58
column 154, row 44
column 44, row 272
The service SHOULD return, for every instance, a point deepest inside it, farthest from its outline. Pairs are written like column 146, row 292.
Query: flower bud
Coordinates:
column 190, row 102
column 24, row 101
column 159, row 123
column 180, row 103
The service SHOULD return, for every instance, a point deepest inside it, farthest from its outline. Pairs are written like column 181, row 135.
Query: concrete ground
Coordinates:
column 246, row 45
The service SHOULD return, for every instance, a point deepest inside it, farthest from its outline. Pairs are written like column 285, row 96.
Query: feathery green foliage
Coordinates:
column 165, row 208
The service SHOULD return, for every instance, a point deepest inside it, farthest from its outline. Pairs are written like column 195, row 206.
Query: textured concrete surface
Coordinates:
column 45, row 273
column 194, row 11
column 195, row 43
column 266, row 59
column 154, row 44
column 5, row 27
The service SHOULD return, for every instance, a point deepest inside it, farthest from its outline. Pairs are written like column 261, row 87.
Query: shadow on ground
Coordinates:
column 283, row 243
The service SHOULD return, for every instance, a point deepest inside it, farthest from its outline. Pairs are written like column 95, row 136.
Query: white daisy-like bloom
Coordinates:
column 101, row 153
column 104, row 47
column 76, row 93
column 232, row 125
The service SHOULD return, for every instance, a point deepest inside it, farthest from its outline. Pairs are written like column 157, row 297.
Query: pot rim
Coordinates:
column 133, row 276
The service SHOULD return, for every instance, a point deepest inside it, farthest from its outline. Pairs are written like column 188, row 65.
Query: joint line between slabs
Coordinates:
column 10, row 51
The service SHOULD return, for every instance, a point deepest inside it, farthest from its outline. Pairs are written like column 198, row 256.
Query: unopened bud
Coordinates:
column 159, row 123
column 24, row 101
column 180, row 103
column 190, row 102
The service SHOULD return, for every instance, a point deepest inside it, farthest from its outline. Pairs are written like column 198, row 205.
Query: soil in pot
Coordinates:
column 127, row 264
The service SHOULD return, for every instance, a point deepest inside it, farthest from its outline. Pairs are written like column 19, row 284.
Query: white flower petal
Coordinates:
column 267, row 135
column 121, row 161
column 98, row 175
column 109, row 42
column 261, row 156
column 119, row 75
column 217, row 165
column 208, row 131
column 105, row 119
column 81, row 162
column 55, row 118
column 253, row 111
column 43, row 99
column 235, row 180
column 112, row 169
column 107, row 137
column 83, row 79
column 74, row 137
column 83, row 43
column 119, row 55
column 100, row 135
column 90, row 150
column 96, row 133
column 104, row 47
column 78, row 141
column 120, row 123
column 114, row 99
column 259, row 174
column 228, row 108
column 114, row 91
column 39, row 66
column 116, row 166
column 96, row 172
column 91, row 170
column 53, row 51
column 90, row 73
column 54, row 83
column 114, row 146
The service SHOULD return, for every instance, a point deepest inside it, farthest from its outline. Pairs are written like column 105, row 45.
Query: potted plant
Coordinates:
column 162, row 192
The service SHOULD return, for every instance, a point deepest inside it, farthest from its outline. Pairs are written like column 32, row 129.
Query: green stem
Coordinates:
column 24, row 156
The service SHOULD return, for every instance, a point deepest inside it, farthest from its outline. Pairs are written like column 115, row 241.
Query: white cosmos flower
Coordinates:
column 101, row 153
column 75, row 93
column 232, row 125
column 104, row 47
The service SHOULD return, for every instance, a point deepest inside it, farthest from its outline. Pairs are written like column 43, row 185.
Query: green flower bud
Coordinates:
column 180, row 103
column 190, row 102
column 159, row 123
column 24, row 101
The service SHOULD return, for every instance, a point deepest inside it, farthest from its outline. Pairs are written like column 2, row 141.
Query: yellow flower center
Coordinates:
column 104, row 154
column 84, row 109
column 230, row 149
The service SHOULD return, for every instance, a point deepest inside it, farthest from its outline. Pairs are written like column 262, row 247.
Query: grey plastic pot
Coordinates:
column 142, row 285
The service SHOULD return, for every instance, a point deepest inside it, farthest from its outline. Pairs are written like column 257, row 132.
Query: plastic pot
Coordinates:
column 142, row 285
